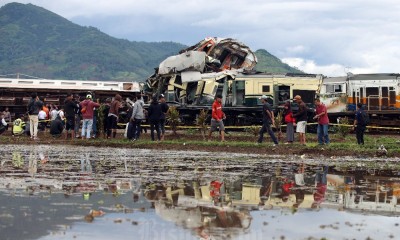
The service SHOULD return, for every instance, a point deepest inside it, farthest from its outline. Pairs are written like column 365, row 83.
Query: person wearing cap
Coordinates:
column 217, row 116
column 301, row 117
column 268, row 119
column 164, row 110
column 87, row 110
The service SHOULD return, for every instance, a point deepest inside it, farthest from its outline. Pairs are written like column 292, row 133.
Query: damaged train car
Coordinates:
column 218, row 66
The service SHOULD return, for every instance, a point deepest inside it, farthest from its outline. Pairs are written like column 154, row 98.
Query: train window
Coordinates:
column 25, row 82
column 329, row 88
column 68, row 83
column 266, row 88
column 89, row 84
column 337, row 88
column 127, row 86
column 111, row 85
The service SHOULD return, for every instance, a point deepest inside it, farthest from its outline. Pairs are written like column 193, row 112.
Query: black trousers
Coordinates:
column 360, row 134
column 266, row 127
column 134, row 129
column 155, row 125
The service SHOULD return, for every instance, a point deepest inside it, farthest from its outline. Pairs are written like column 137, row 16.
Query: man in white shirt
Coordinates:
column 3, row 124
column 42, row 116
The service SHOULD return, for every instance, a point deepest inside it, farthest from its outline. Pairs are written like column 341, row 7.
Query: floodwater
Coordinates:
column 69, row 192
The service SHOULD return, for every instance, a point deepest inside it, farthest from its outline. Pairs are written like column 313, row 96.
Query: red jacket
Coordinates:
column 217, row 112
column 289, row 118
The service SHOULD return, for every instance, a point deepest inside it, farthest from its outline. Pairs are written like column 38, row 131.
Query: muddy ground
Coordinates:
column 237, row 142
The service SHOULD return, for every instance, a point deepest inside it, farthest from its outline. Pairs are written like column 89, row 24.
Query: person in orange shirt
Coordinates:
column 46, row 110
column 217, row 116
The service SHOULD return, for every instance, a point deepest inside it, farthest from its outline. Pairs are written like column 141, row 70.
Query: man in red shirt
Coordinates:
column 217, row 116
column 323, row 122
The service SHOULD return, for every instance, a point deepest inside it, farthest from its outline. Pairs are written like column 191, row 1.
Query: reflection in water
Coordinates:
column 99, row 193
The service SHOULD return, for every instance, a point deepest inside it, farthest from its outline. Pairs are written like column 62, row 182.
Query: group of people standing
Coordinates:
column 298, row 120
column 69, row 118
column 156, row 115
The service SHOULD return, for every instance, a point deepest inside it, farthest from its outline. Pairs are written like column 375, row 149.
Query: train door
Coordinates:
column 238, row 93
column 223, row 91
column 392, row 98
column 372, row 98
column 388, row 98
column 357, row 95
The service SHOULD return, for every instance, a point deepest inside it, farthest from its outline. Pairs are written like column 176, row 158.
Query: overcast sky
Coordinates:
column 330, row 37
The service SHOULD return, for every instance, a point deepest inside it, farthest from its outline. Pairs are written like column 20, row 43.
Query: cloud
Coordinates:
column 327, row 35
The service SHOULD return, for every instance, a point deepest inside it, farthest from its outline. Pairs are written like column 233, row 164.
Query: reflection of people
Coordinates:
column 321, row 182
column 301, row 117
column 299, row 183
column 215, row 190
column 217, row 116
column 287, row 186
column 268, row 121
column 321, row 114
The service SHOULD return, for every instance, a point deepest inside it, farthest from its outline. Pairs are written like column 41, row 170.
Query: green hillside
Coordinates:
column 37, row 42
column 269, row 63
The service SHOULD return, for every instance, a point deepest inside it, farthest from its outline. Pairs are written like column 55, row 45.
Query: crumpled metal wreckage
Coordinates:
column 212, row 58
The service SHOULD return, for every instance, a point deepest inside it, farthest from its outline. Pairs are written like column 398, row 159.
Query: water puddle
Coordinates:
column 69, row 192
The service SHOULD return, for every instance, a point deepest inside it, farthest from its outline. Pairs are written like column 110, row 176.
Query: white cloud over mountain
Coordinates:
column 316, row 36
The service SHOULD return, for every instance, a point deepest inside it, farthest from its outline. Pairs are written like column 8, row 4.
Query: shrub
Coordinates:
column 201, row 122
column 173, row 119
column 343, row 128
column 253, row 130
column 278, row 123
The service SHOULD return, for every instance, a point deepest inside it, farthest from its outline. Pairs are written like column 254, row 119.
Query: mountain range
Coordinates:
column 38, row 42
